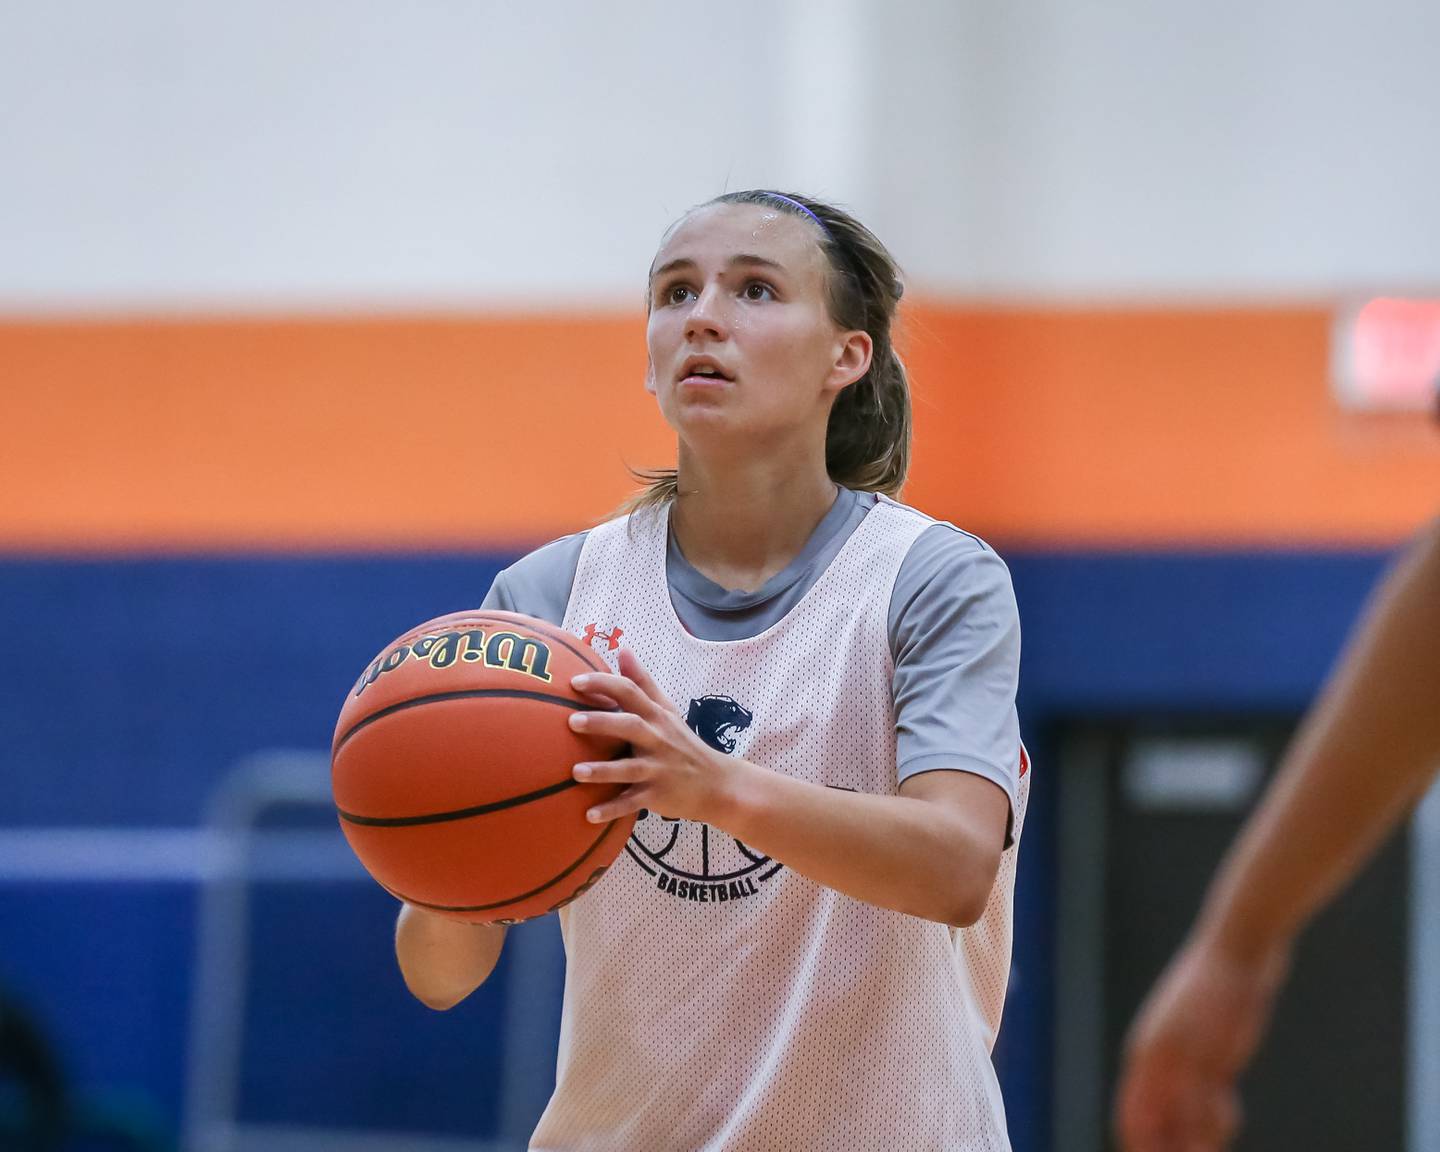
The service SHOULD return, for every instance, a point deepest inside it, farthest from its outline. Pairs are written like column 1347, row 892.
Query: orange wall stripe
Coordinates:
column 319, row 434
column 1048, row 427
column 1199, row 427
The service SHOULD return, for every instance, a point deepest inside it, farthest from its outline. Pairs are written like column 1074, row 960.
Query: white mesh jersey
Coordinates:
column 715, row 999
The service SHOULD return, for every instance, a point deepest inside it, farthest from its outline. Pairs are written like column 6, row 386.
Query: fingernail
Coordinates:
column 593, row 815
column 582, row 771
column 578, row 720
column 581, row 680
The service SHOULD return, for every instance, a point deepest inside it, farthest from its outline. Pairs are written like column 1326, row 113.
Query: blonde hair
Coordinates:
column 867, row 441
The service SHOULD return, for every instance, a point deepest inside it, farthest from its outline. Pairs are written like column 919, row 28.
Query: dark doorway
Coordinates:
column 1147, row 808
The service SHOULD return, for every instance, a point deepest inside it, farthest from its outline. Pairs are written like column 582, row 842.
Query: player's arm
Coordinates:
column 931, row 853
column 444, row 960
column 954, row 637
column 934, row 850
column 1361, row 759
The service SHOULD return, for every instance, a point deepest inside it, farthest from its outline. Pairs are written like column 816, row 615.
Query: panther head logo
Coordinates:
column 717, row 720
column 690, row 860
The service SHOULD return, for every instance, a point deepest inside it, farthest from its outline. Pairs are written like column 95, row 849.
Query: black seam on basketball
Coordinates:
column 513, row 899
column 462, row 694
column 455, row 813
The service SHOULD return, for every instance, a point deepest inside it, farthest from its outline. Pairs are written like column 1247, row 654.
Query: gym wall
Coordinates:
column 311, row 318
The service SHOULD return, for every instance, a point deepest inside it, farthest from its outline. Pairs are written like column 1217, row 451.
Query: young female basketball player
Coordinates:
column 806, row 942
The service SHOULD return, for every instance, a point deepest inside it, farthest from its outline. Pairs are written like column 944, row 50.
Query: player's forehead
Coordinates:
column 714, row 235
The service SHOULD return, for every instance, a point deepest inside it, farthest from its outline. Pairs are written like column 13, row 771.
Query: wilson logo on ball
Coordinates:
column 522, row 654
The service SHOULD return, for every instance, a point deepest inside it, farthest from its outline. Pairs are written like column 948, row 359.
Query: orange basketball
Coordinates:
column 451, row 769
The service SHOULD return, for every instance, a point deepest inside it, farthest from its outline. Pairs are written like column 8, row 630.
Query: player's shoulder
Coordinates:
column 949, row 569
column 539, row 583
column 959, row 538
column 945, row 548
column 556, row 554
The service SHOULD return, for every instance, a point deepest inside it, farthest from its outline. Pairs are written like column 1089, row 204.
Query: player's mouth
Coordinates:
column 705, row 372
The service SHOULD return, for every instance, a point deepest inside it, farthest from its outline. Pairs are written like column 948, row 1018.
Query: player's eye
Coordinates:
column 759, row 290
column 676, row 294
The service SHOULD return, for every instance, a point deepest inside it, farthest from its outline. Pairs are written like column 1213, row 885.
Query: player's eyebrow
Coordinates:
column 747, row 259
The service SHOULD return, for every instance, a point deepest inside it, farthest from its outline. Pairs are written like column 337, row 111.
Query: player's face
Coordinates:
column 740, row 337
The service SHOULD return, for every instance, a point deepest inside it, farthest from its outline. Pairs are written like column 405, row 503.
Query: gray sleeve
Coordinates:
column 539, row 584
column 955, row 638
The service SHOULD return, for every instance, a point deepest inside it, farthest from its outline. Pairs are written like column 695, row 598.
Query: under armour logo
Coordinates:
column 612, row 637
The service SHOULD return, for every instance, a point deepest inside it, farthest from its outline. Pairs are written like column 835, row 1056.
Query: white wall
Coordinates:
column 206, row 154
column 1128, row 148
column 267, row 153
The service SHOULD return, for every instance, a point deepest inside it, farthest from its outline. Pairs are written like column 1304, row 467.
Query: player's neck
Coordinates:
column 742, row 523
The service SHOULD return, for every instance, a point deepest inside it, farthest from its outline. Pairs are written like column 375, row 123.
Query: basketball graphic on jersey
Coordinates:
column 693, row 861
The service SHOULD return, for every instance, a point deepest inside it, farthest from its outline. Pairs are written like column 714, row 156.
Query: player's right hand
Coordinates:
column 1193, row 1037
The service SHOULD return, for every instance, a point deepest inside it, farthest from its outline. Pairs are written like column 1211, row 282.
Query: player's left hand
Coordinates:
column 670, row 770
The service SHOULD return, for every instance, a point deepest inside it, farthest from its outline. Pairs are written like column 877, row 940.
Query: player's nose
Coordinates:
column 708, row 316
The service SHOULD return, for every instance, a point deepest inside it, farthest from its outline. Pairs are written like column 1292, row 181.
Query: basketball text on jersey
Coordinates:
column 523, row 654
column 692, row 861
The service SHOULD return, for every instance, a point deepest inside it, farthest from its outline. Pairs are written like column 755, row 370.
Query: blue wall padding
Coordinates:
column 103, row 969
column 334, row 1039
column 134, row 685
column 1242, row 632
column 131, row 686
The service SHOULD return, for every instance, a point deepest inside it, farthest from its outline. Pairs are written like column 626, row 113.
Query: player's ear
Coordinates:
column 853, row 354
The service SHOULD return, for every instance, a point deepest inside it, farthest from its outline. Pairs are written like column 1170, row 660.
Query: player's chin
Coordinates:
column 702, row 400
column 710, row 422
column 691, row 413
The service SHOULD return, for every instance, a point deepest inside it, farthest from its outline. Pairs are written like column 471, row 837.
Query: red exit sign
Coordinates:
column 1386, row 354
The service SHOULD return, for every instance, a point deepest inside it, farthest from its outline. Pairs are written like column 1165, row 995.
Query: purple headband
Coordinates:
column 796, row 204
column 897, row 286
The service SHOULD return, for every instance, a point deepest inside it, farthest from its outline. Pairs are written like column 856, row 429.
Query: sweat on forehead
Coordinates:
column 740, row 224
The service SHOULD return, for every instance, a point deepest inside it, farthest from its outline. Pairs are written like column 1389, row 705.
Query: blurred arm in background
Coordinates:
column 1362, row 759
column 444, row 960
